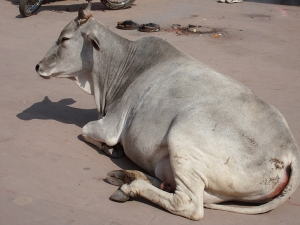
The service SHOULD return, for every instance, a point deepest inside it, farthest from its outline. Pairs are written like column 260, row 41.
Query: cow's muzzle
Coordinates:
column 37, row 69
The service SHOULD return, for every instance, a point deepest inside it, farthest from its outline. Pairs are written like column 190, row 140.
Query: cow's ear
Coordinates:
column 94, row 40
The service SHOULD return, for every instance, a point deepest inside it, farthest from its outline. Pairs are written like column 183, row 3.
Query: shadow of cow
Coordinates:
column 60, row 111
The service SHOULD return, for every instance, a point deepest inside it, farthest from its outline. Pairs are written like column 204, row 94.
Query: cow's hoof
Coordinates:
column 116, row 177
column 119, row 196
column 116, row 151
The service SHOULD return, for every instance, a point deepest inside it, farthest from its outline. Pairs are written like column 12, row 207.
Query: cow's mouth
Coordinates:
column 45, row 77
column 50, row 76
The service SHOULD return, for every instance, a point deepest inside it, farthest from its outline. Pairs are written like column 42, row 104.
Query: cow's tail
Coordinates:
column 289, row 189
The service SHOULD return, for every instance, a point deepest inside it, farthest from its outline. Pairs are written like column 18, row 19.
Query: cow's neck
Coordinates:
column 110, row 74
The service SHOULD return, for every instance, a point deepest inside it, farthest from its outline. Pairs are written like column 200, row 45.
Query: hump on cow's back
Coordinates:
column 159, row 48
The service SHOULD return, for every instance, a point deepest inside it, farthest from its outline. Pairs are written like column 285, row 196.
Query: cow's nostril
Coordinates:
column 37, row 68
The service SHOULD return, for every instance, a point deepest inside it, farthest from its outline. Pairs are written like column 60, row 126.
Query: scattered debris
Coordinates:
column 149, row 27
column 86, row 168
column 127, row 25
column 195, row 29
column 259, row 16
column 175, row 28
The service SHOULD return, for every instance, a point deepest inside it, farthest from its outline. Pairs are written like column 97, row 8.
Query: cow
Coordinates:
column 201, row 137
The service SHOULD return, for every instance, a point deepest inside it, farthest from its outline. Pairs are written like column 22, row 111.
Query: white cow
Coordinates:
column 203, row 137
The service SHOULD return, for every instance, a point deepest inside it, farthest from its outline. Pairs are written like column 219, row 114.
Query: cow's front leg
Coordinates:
column 115, row 151
column 104, row 137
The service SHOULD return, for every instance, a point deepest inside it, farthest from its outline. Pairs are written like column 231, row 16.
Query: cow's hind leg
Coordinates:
column 185, row 201
column 181, row 202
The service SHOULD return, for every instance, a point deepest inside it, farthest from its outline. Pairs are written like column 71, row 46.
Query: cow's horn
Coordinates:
column 81, row 14
column 84, row 15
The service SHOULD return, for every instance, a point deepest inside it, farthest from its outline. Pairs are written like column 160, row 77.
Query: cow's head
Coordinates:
column 71, row 56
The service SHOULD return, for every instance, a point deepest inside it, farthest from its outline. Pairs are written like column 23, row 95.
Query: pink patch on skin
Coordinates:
column 167, row 188
column 162, row 186
column 277, row 191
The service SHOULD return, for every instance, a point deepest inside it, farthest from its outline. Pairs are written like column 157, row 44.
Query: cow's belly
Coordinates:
column 146, row 146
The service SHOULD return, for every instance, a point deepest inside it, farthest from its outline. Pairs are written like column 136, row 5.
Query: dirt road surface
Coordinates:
column 49, row 176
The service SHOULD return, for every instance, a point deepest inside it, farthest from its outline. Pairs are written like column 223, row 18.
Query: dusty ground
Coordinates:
column 48, row 175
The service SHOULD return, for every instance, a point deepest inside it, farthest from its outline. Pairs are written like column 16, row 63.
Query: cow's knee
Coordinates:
column 91, row 130
column 186, row 206
column 98, row 131
column 86, row 131
column 90, row 134
column 197, row 214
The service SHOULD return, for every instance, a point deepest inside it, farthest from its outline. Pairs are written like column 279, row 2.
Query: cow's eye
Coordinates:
column 64, row 39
